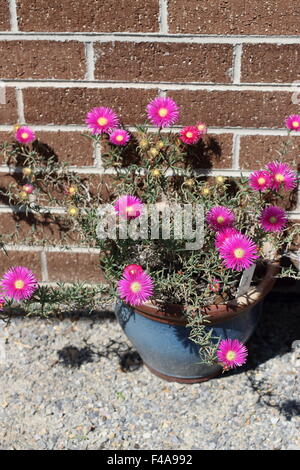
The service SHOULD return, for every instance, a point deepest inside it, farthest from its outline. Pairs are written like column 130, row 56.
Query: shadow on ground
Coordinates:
column 74, row 357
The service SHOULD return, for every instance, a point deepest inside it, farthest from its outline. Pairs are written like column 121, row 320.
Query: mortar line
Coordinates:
column 20, row 105
column 293, row 215
column 163, row 17
column 237, row 63
column 190, row 86
column 98, row 157
column 230, row 172
column 236, row 152
column 51, row 249
column 44, row 266
column 243, row 131
column 150, row 37
column 90, row 61
column 13, row 16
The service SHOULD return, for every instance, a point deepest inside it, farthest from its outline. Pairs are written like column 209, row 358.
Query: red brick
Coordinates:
column 70, row 147
column 270, row 63
column 30, row 259
column 256, row 151
column 212, row 152
column 234, row 17
column 235, row 108
column 88, row 15
column 4, row 16
column 42, row 60
column 8, row 110
column 70, row 105
column 73, row 267
column 33, row 229
column 167, row 62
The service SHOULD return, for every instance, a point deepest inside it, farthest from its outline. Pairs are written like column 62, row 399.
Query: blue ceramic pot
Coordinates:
column 166, row 348
column 162, row 339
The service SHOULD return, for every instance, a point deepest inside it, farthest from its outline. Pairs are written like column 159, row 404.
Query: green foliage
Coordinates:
column 155, row 167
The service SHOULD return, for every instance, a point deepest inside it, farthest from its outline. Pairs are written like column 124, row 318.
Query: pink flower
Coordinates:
column 293, row 122
column 136, row 288
column 232, row 353
column 24, row 135
column 163, row 112
column 282, row 176
column 215, row 285
column 223, row 235
column 260, row 180
column 101, row 120
column 28, row 188
column 19, row 283
column 238, row 252
column 119, row 137
column 202, row 128
column 190, row 135
column 273, row 219
column 133, row 269
column 220, row 217
column 2, row 301
column 128, row 207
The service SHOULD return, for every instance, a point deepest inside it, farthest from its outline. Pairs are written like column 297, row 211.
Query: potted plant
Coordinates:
column 189, row 257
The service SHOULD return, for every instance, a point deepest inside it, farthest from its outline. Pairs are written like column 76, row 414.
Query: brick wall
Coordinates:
column 232, row 64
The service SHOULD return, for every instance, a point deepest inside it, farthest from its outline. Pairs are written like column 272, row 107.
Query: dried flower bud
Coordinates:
column 27, row 171
column 153, row 152
column 155, row 172
column 72, row 211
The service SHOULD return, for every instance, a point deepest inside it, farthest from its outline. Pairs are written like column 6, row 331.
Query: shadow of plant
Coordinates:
column 288, row 408
column 74, row 357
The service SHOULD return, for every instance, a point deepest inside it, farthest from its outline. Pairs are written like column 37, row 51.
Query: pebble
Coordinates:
column 47, row 402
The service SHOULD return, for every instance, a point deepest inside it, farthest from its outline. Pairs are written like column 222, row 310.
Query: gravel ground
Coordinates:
column 76, row 384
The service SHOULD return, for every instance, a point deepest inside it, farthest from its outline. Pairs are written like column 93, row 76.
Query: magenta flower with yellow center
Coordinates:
column 202, row 128
column 119, row 137
column 223, row 235
column 24, row 135
column 19, row 283
column 163, row 112
column 273, row 219
column 190, row 135
column 2, row 301
column 220, row 217
column 135, row 288
column 28, row 188
column 231, row 353
column 133, row 269
column 238, row 252
column 282, row 176
column 128, row 207
column 293, row 122
column 215, row 285
column 260, row 180
column 100, row 120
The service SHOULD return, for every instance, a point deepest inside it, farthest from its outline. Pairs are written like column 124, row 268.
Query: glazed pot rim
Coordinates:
column 173, row 313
